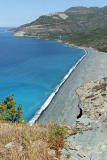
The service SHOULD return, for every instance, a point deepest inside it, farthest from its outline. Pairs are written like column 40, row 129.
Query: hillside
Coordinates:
column 22, row 142
column 86, row 140
column 96, row 38
column 78, row 25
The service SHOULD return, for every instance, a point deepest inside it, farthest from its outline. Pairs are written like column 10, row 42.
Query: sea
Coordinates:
column 31, row 68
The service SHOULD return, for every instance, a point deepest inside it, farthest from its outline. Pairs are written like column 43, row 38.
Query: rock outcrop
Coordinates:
column 90, row 141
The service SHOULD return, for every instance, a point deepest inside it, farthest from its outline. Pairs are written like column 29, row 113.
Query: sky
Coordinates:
column 17, row 12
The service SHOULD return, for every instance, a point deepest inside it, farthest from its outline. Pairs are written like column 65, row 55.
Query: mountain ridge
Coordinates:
column 73, row 21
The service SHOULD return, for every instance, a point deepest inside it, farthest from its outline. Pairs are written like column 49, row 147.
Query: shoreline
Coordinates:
column 64, row 108
column 58, row 87
column 55, row 91
column 62, row 104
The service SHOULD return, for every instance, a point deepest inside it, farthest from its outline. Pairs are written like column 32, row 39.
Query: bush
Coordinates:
column 9, row 111
column 56, row 134
column 56, row 131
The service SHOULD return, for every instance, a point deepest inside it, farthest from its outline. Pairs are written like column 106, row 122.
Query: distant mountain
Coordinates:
column 76, row 22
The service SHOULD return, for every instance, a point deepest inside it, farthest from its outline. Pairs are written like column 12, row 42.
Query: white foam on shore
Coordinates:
column 50, row 98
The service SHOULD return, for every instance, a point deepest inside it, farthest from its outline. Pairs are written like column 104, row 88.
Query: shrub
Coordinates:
column 56, row 131
column 56, row 136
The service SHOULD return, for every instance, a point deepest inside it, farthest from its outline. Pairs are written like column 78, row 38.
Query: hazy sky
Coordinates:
column 18, row 12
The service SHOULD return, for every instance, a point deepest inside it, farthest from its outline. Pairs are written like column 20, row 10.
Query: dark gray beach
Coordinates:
column 64, row 106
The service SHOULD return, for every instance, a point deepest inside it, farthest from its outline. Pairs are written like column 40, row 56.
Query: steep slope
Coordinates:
column 90, row 142
column 73, row 21
column 77, row 19
column 86, row 140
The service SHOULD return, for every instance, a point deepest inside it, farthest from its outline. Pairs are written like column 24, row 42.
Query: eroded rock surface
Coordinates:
column 90, row 141
column 93, row 98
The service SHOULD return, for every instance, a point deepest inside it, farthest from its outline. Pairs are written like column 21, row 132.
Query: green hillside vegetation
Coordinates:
column 96, row 38
column 78, row 25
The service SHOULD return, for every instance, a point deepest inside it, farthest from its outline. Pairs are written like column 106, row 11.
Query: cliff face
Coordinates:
column 93, row 98
column 90, row 142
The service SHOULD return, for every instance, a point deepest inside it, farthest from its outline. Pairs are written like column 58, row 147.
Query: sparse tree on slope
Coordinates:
column 9, row 111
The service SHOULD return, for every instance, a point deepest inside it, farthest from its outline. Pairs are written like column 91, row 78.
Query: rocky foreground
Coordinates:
column 90, row 141
column 85, row 140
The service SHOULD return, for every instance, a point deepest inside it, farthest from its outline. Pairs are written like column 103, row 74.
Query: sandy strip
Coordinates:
column 64, row 106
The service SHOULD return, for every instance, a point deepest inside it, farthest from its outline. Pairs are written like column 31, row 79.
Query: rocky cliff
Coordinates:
column 90, row 141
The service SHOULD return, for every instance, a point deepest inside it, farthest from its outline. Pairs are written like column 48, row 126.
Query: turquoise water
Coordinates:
column 31, row 68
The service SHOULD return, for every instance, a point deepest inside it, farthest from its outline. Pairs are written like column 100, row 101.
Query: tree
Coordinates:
column 9, row 111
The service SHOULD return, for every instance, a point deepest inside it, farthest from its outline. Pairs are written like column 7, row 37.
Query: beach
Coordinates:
column 64, row 106
column 34, row 74
column 56, row 90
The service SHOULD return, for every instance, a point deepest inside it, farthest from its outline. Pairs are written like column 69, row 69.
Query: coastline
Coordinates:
column 55, row 91
column 64, row 106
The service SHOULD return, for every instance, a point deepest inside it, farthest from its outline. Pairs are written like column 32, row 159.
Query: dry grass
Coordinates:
column 40, row 142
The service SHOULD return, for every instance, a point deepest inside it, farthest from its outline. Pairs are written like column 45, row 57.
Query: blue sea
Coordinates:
column 31, row 68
